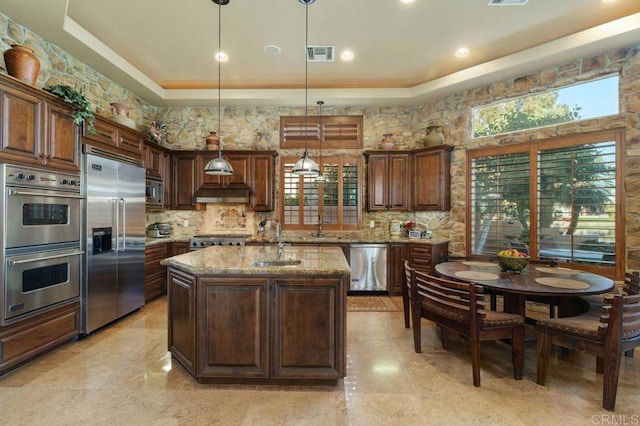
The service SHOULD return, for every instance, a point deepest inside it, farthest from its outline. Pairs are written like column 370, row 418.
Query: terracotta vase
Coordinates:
column 386, row 142
column 433, row 136
column 22, row 64
column 212, row 141
column 122, row 114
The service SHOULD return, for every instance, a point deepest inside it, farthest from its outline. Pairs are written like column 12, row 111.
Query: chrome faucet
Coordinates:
column 319, row 226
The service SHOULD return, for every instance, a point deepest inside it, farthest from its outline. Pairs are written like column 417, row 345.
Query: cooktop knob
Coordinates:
column 19, row 175
column 31, row 177
column 202, row 244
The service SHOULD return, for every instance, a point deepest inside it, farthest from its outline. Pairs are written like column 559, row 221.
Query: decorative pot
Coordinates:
column 433, row 136
column 212, row 141
column 122, row 113
column 386, row 142
column 22, row 63
column 261, row 142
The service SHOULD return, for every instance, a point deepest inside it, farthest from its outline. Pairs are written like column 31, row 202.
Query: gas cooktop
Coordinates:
column 207, row 240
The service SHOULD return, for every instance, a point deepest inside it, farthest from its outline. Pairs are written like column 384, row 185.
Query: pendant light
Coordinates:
column 219, row 166
column 320, row 178
column 305, row 165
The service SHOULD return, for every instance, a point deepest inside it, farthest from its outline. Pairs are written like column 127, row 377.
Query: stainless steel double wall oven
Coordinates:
column 41, row 226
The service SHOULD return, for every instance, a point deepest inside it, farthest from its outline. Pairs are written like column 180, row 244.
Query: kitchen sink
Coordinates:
column 276, row 262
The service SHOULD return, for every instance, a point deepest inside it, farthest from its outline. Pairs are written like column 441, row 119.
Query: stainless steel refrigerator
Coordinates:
column 115, row 237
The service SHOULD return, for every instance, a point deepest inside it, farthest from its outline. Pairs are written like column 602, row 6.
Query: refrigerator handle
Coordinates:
column 124, row 223
column 116, row 215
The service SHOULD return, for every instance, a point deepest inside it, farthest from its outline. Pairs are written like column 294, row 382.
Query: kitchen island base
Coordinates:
column 273, row 328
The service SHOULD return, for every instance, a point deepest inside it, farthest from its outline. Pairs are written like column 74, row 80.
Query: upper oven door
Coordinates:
column 35, row 217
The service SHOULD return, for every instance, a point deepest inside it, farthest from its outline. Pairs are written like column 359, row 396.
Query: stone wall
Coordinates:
column 189, row 126
column 59, row 67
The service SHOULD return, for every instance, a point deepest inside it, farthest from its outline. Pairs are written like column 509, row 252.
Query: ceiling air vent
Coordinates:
column 508, row 2
column 320, row 53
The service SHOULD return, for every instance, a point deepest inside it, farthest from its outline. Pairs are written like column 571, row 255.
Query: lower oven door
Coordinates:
column 35, row 281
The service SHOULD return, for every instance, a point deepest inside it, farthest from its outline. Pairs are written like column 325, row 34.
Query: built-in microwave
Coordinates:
column 154, row 193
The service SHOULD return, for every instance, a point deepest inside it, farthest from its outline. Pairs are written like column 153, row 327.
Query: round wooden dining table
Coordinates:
column 535, row 281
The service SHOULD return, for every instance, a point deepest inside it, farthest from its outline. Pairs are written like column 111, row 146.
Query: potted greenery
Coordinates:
column 81, row 106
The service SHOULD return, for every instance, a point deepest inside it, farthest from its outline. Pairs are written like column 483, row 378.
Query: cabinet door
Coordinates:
column 388, row 182
column 432, row 179
column 182, row 317
column 378, row 182
column 398, row 182
column 62, row 138
column 307, row 327
column 155, row 279
column 105, row 134
column 130, row 141
column 241, row 171
column 232, row 314
column 177, row 247
column 154, row 160
column 183, row 182
column 395, row 267
column 21, row 131
column 262, row 182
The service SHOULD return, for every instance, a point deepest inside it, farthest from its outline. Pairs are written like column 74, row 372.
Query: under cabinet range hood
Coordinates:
column 222, row 195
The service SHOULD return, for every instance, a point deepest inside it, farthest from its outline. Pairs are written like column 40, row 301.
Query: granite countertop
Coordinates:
column 149, row 241
column 238, row 260
column 310, row 240
column 344, row 240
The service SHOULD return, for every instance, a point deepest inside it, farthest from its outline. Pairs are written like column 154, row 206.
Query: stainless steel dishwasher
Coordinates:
column 368, row 267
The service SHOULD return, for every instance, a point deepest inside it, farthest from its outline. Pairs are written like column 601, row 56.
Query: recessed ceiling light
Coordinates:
column 407, row 1
column 462, row 52
column 347, row 55
column 222, row 57
column 608, row 1
column 272, row 49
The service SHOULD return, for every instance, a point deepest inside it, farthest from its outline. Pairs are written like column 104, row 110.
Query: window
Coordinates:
column 337, row 131
column 597, row 98
column 560, row 197
column 336, row 201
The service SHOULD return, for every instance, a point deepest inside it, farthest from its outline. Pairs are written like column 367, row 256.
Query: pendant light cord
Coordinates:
column 219, row 79
column 306, row 77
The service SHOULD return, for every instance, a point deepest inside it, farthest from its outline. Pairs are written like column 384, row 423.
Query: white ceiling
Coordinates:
column 162, row 50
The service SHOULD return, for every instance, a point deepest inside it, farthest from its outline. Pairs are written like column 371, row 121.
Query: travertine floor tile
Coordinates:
column 123, row 375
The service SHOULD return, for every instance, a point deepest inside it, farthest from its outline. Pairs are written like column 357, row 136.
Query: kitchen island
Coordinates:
column 259, row 314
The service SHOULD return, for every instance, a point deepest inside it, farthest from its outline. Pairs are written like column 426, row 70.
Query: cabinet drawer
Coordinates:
column 34, row 339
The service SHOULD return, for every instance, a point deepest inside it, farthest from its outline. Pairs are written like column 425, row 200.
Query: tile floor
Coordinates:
column 123, row 375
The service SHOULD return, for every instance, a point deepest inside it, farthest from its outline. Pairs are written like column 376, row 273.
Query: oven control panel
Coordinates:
column 37, row 178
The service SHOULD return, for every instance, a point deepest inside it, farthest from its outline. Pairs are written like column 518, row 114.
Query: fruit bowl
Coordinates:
column 514, row 264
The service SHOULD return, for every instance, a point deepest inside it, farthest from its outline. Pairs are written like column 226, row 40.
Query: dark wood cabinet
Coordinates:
column 424, row 257
column 274, row 320
column 395, row 268
column 262, row 182
column 29, row 338
column 184, row 178
column 307, row 310
column 181, row 289
column 155, row 280
column 431, row 188
column 241, row 164
column 114, row 137
column 36, row 128
column 387, row 181
column 415, row 180
column 243, row 351
column 178, row 247
column 253, row 170
column 155, row 160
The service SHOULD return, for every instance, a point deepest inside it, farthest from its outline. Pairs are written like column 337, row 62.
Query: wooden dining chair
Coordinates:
column 458, row 307
column 607, row 336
